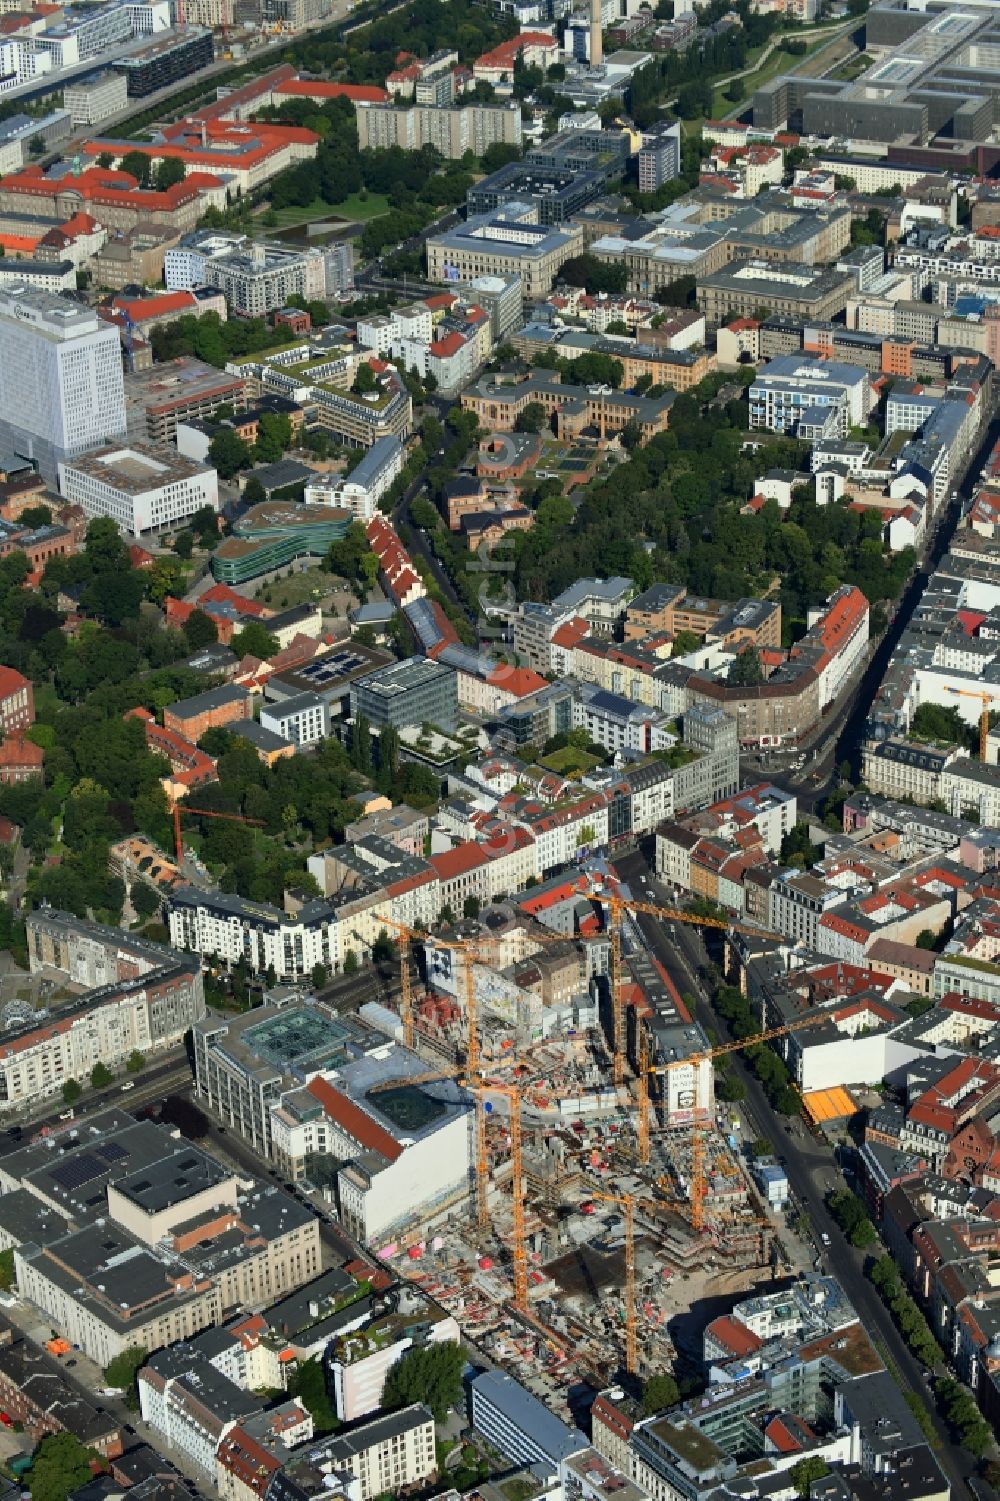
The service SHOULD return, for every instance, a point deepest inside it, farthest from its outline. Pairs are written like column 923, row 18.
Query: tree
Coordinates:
column 71, row 1091
column 631, row 435
column 431, row 1374
column 274, row 435
column 7, row 1272
column 318, row 976
column 364, row 379
column 105, row 160
column 228, row 453
column 199, row 630
column 137, row 165
column 746, row 670
column 169, row 172
column 101, row 1076
column 350, row 962
column 309, row 1385
column 122, row 1371
column 531, row 418
column 470, row 907
column 424, row 514
column 135, row 1062
column 684, row 642
column 61, row 1465
column 184, row 544
column 361, row 745
column 659, row 1393
column 806, row 1471
column 144, row 900
column 382, row 947
column 33, row 516
column 926, row 939
column 254, row 640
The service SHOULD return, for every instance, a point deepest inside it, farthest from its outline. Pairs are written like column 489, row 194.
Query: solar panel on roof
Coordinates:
column 112, row 1151
column 77, row 1171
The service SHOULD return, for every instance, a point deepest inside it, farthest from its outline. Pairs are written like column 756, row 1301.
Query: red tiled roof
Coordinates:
column 141, row 308
column 458, row 861
column 520, row 681
column 318, row 88
column 444, row 348
column 17, row 751
column 11, row 682
column 355, row 1121
column 736, row 1337
column 783, row 1440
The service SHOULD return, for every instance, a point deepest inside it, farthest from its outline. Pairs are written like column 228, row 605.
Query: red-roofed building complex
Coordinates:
column 533, row 48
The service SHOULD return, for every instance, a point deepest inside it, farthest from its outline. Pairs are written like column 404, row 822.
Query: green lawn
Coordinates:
column 353, row 208
column 780, row 61
column 569, row 761
column 311, row 586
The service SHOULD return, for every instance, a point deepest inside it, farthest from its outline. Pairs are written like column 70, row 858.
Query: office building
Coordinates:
column 170, row 58
column 275, row 533
column 507, row 242
column 94, row 99
column 165, row 1243
column 659, row 156
column 414, row 692
column 142, row 489
column 751, row 288
column 61, row 387
column 518, row 1424
column 934, row 76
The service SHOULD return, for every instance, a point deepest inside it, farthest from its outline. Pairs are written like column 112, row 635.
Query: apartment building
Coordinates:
column 104, row 1026
column 450, row 131
column 215, row 922
column 392, row 1451
column 792, row 390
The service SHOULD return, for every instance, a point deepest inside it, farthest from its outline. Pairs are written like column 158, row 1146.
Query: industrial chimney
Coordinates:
column 596, row 38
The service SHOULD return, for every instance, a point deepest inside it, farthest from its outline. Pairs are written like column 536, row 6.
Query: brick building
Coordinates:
column 191, row 717
column 20, row 759
column 17, row 701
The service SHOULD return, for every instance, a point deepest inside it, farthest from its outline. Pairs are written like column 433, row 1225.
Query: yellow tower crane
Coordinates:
column 617, row 906
column 985, row 699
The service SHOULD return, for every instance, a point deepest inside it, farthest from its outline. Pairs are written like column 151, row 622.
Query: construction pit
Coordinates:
column 578, row 1181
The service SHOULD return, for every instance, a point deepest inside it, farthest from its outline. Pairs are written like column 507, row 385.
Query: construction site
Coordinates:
column 609, row 1194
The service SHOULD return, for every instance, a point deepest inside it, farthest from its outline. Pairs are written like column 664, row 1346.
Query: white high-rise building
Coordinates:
column 61, row 386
